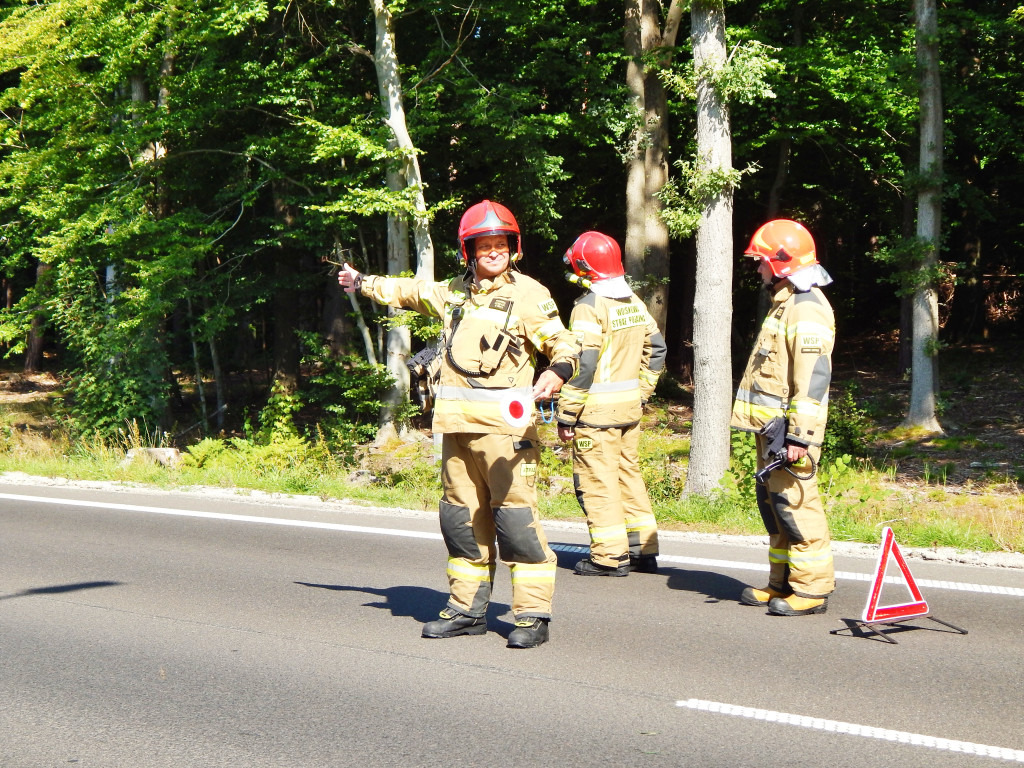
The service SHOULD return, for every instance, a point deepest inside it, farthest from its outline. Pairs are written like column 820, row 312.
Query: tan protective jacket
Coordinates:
column 789, row 371
column 490, row 337
column 622, row 356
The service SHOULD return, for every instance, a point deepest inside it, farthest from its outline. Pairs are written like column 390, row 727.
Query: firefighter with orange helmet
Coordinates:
column 622, row 355
column 783, row 399
column 495, row 319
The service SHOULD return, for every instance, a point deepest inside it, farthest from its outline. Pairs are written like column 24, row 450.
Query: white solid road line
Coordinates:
column 677, row 559
column 866, row 731
column 848, row 575
column 221, row 516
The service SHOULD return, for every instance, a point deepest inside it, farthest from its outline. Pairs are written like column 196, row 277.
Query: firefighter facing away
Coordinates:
column 786, row 385
column 494, row 321
column 622, row 355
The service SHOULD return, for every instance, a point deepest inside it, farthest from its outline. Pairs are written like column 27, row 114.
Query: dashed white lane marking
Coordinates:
column 853, row 729
column 679, row 559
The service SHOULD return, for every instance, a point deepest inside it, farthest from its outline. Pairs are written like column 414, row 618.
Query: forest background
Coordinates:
column 178, row 181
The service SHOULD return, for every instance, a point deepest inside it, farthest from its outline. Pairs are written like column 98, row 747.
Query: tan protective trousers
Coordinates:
column 612, row 494
column 490, row 495
column 799, row 545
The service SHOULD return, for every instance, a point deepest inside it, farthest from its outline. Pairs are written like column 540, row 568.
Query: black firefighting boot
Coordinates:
column 755, row 596
column 452, row 624
column 644, row 563
column 587, row 567
column 797, row 606
column 530, row 632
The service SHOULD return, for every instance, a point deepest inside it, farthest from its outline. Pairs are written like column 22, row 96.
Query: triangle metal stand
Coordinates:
column 875, row 615
column 876, row 626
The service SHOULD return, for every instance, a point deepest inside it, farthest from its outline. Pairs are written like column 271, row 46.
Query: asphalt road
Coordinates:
column 131, row 638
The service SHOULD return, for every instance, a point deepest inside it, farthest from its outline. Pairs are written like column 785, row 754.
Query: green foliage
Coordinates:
column 421, row 327
column 290, row 464
column 745, row 78
column 849, row 427
column 663, row 484
column 555, row 463
column 836, row 477
column 933, row 346
column 739, row 480
column 684, row 200
column 748, row 74
column 417, row 477
column 277, row 419
column 911, row 263
column 346, row 393
column 846, row 436
column 207, row 153
column 205, row 451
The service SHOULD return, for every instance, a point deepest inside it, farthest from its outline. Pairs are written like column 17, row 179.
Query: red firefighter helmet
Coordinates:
column 785, row 245
column 489, row 218
column 595, row 256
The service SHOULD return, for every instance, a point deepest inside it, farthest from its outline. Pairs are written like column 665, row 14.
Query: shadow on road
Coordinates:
column 417, row 603
column 59, row 589
column 882, row 631
column 568, row 559
column 714, row 586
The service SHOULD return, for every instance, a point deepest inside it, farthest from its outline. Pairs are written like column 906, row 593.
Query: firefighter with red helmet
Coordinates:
column 495, row 319
column 783, row 399
column 599, row 409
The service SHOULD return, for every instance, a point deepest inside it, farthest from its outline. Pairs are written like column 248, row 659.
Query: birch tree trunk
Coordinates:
column 925, row 307
column 406, row 176
column 712, row 306
column 647, row 237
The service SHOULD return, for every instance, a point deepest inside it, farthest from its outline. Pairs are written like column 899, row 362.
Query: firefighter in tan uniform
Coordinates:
column 622, row 355
column 494, row 321
column 787, row 377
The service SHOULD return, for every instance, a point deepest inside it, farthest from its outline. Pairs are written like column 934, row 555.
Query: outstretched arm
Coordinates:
column 349, row 278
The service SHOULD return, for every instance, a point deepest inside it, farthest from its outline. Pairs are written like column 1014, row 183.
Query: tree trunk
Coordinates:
column 200, row 388
column 219, row 386
column 36, row 336
column 781, row 173
column 399, row 342
column 904, row 353
column 286, row 300
column 647, row 238
column 635, row 252
column 786, row 142
column 333, row 324
column 923, row 377
column 712, row 304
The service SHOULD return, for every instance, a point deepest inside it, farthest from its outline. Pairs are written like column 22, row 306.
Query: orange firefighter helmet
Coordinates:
column 785, row 245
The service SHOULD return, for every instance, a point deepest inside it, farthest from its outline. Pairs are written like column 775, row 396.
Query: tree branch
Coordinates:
column 247, row 156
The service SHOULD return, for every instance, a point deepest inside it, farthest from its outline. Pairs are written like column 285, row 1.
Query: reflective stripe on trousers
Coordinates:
column 489, row 508
column 799, row 544
column 611, row 491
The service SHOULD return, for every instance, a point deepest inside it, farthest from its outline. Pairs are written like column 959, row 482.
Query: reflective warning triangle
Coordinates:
column 873, row 613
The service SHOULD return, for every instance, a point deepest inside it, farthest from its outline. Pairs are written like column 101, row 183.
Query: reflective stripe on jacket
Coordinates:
column 790, row 369
column 622, row 355
column 512, row 313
